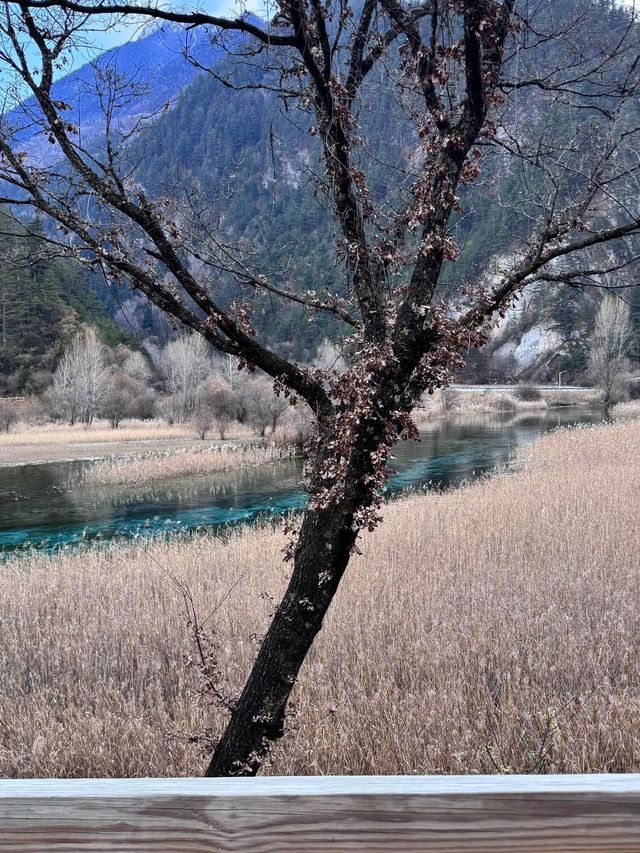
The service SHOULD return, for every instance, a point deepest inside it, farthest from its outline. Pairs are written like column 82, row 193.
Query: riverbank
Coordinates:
column 626, row 411
column 503, row 399
column 135, row 470
column 29, row 445
column 493, row 627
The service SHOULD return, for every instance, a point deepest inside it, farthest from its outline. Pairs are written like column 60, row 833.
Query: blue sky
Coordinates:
column 214, row 7
column 123, row 34
column 98, row 41
column 103, row 40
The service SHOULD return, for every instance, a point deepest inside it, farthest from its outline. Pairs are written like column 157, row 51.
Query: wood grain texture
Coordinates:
column 313, row 814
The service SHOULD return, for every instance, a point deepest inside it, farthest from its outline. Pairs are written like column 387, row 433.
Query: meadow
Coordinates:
column 494, row 628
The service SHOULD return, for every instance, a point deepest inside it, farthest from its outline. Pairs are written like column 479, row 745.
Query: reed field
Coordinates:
column 99, row 431
column 462, row 400
column 34, row 443
column 187, row 462
column 630, row 409
column 495, row 628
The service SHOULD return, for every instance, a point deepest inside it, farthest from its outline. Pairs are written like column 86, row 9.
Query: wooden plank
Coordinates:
column 464, row 814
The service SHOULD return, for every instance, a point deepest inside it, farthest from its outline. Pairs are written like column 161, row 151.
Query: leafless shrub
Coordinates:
column 8, row 415
column 503, row 403
column 296, row 430
column 202, row 420
column 33, row 412
column 265, row 408
column 126, row 397
column 168, row 409
column 527, row 393
column 217, row 404
column 448, row 398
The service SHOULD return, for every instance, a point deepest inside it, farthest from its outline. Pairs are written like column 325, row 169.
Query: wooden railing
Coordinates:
column 457, row 814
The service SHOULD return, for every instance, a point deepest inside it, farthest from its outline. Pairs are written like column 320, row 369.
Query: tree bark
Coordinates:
column 324, row 545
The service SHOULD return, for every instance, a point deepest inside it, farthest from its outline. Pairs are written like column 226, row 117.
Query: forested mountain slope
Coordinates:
column 246, row 150
column 43, row 301
column 249, row 155
column 151, row 70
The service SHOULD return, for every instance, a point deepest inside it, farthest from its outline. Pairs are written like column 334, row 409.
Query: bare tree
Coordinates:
column 125, row 397
column 8, row 414
column 468, row 83
column 610, row 346
column 265, row 407
column 81, row 379
column 137, row 367
column 185, row 364
column 219, row 400
column 61, row 397
column 296, row 430
column 202, row 418
column 118, row 403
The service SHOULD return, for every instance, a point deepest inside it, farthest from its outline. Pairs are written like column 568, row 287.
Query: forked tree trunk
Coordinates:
column 324, row 545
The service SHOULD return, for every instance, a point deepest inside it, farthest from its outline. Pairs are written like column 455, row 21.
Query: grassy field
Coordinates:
column 189, row 462
column 493, row 628
column 51, row 442
column 463, row 400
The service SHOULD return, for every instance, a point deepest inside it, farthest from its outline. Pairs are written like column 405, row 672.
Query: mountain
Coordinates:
column 154, row 69
column 43, row 301
column 246, row 149
column 240, row 146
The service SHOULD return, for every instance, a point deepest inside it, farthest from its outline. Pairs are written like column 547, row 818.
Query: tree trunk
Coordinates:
column 324, row 546
column 322, row 553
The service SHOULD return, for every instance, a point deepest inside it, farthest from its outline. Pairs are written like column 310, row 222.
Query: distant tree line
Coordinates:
column 185, row 383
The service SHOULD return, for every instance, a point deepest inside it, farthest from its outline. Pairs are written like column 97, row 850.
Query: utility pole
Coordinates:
column 560, row 375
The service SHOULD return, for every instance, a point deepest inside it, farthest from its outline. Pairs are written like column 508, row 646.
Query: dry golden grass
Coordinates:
column 572, row 397
column 479, row 400
column 99, row 432
column 626, row 410
column 51, row 442
column 185, row 462
column 493, row 627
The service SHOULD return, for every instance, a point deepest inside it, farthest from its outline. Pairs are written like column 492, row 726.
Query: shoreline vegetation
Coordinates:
column 504, row 399
column 186, row 462
column 501, row 641
column 27, row 443
column 36, row 443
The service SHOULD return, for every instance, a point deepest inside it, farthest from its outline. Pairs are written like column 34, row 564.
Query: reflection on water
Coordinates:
column 46, row 506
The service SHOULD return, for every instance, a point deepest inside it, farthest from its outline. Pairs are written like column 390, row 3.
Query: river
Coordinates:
column 46, row 506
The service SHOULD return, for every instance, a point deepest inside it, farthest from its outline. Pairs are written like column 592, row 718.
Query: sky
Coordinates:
column 100, row 40
column 213, row 7
column 124, row 34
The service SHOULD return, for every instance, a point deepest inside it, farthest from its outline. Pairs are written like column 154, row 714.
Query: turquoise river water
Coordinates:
column 46, row 506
